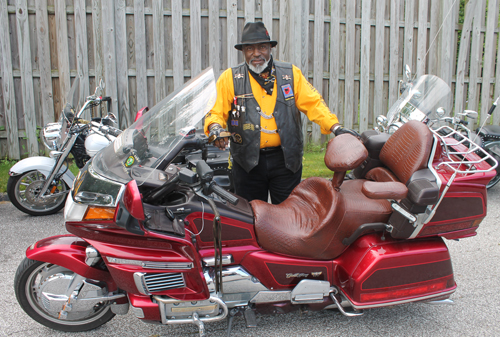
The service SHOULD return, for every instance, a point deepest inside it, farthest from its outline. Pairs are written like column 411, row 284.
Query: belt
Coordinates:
column 270, row 149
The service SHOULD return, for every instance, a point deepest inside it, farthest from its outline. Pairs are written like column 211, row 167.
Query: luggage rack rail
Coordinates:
column 472, row 156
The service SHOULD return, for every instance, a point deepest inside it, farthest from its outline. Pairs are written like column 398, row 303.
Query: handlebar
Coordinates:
column 493, row 106
column 223, row 193
column 206, row 175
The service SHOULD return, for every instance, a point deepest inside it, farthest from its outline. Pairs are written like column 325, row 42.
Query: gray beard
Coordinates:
column 258, row 69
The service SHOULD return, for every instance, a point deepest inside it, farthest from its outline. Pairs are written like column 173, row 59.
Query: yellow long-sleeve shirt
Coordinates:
column 307, row 99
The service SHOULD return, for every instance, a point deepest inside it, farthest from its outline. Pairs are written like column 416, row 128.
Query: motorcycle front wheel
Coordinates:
column 41, row 291
column 23, row 191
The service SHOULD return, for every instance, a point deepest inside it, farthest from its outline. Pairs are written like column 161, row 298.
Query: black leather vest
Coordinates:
column 245, row 123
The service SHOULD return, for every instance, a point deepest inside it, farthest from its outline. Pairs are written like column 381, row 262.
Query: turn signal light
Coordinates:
column 99, row 213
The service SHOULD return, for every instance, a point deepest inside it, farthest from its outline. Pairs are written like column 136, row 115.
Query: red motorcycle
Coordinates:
column 152, row 235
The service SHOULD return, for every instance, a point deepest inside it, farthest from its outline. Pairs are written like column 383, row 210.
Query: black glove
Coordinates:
column 340, row 131
column 219, row 136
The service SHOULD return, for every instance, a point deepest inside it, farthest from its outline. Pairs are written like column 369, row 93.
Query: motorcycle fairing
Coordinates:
column 68, row 251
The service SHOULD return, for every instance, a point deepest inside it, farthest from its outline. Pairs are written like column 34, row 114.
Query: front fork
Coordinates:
column 68, row 145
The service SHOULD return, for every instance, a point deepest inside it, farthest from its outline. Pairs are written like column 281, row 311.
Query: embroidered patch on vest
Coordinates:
column 239, row 76
column 234, row 122
column 287, row 78
column 248, row 126
column 287, row 91
column 237, row 138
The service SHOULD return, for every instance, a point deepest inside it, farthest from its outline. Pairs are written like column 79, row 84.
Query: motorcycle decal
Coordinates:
column 287, row 91
column 129, row 161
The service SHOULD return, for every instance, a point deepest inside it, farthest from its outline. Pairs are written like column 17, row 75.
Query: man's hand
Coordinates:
column 337, row 129
column 219, row 136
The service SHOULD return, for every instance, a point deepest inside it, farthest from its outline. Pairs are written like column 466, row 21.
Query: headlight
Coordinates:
column 51, row 134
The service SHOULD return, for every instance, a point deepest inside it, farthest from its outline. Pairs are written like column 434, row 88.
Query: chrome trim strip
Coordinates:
column 152, row 264
column 210, row 261
column 398, row 302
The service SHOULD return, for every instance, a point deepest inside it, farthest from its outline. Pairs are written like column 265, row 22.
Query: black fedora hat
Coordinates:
column 254, row 32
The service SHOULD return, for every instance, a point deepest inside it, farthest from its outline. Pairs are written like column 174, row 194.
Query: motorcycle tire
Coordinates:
column 493, row 181
column 32, row 275
column 22, row 188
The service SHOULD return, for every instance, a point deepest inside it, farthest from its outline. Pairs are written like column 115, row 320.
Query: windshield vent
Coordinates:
column 164, row 281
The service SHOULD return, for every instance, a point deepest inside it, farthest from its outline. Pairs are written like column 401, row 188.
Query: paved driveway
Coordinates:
column 474, row 313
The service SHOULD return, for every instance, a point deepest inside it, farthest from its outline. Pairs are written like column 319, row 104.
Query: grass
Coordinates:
column 313, row 166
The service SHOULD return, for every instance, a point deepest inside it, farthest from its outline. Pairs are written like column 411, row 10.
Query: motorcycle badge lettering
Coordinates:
column 180, row 279
column 287, row 91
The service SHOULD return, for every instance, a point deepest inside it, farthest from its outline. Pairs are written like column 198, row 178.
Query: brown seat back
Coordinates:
column 407, row 150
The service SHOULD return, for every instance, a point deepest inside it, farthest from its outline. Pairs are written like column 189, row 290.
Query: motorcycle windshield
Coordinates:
column 421, row 102
column 158, row 132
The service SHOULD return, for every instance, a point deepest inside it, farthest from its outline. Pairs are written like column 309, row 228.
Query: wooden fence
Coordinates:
column 353, row 52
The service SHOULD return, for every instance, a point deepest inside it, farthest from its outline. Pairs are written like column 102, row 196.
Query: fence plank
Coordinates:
column 303, row 23
column 159, row 50
column 249, row 11
column 178, row 44
column 489, row 55
column 140, row 54
column 9, row 98
column 319, row 22
column 42, row 32
column 408, row 33
column 422, row 37
column 349, row 64
column 232, row 32
column 267, row 16
column 434, row 30
column 462, row 55
column 109, row 55
column 122, row 65
column 98, row 40
column 476, row 56
column 81, row 46
column 195, row 17
column 378, row 104
column 394, row 53
column 62, row 50
column 364, row 89
column 213, row 24
column 284, row 28
column 447, row 52
column 23, row 44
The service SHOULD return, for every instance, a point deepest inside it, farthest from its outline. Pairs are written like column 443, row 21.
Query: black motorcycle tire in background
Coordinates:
column 30, row 276
column 23, row 187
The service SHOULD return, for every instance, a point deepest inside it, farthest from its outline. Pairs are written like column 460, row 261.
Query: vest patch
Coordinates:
column 287, row 91
column 237, row 138
column 248, row 126
column 234, row 122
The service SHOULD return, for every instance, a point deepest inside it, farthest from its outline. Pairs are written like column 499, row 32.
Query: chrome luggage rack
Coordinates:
column 457, row 160
column 450, row 137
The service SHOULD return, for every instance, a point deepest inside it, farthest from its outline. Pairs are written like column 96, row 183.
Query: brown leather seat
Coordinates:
column 404, row 153
column 319, row 214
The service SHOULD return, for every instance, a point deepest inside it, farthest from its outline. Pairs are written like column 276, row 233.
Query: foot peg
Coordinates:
column 341, row 308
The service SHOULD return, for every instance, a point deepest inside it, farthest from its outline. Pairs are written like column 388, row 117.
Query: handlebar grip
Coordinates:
column 224, row 194
column 464, row 122
column 114, row 131
column 493, row 106
column 108, row 100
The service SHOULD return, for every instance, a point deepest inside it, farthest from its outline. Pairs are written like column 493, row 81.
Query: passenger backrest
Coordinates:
column 407, row 150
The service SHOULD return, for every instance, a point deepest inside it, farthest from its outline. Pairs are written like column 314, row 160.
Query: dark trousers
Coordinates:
column 269, row 176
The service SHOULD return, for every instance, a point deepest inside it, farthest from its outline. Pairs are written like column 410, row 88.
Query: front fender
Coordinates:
column 42, row 164
column 68, row 251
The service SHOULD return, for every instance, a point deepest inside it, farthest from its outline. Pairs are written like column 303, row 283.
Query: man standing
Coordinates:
column 259, row 102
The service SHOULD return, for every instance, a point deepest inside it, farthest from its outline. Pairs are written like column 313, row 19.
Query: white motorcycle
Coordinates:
column 40, row 185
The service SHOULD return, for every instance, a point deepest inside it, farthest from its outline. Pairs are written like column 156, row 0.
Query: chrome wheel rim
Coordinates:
column 28, row 187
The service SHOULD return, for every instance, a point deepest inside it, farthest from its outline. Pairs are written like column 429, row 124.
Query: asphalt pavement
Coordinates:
column 475, row 311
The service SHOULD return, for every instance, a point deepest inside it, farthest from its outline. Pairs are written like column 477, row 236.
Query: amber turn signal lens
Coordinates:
column 99, row 213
